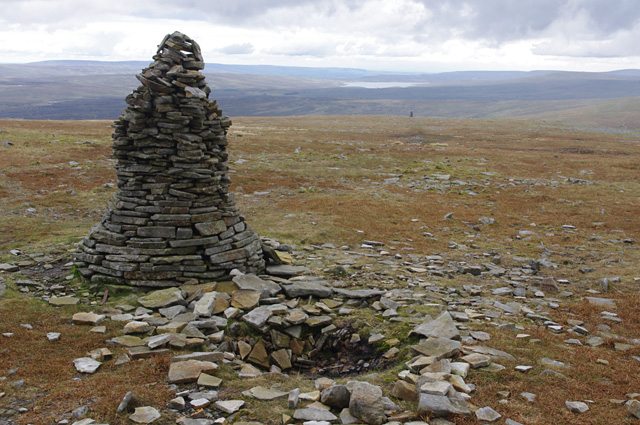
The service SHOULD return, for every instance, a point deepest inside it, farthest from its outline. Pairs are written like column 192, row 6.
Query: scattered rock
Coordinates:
column 305, row 289
column 86, row 365
column 53, row 336
column 487, row 414
column 162, row 298
column 124, row 404
column 229, row 406
column 145, row 415
column 189, row 370
column 88, row 318
column 62, row 301
column 366, row 403
column 577, row 406
column 633, row 407
column 440, row 327
column 437, row 347
column 336, row 396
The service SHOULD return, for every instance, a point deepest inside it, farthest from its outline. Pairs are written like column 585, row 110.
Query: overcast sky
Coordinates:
column 394, row 35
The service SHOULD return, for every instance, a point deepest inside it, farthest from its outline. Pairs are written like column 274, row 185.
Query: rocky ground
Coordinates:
column 339, row 318
column 433, row 270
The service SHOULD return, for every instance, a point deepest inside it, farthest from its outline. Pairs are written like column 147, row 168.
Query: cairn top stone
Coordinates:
column 172, row 219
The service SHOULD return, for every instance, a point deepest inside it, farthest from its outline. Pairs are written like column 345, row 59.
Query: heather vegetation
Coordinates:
column 513, row 227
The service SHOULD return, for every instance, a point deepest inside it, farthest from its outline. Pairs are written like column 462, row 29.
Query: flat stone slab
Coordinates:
column 577, row 406
column 266, row 394
column 315, row 321
column 62, row 301
column 305, row 289
column 437, row 347
column 442, row 327
column 245, row 299
column 192, row 421
column 87, row 318
column 487, row 414
column 204, row 306
column 127, row 341
column 601, row 302
column 633, row 407
column 53, row 336
column 311, row 414
column 435, row 388
column 209, row 381
column 480, row 335
column 86, row 365
column 477, row 360
column 205, row 356
column 145, row 415
column 358, row 293
column 257, row 318
column 285, row 270
column 158, row 340
column 229, row 406
column 438, row 406
column 136, row 327
column 10, row 268
column 189, row 371
column 491, row 352
column 251, row 282
column 162, row 298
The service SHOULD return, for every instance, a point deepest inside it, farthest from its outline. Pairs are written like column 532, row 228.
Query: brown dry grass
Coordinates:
column 586, row 378
column 324, row 179
column 53, row 388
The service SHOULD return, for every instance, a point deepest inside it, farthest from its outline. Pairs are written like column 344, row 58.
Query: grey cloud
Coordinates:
column 621, row 44
column 318, row 51
column 596, row 28
column 238, row 49
column 607, row 16
column 240, row 11
column 508, row 20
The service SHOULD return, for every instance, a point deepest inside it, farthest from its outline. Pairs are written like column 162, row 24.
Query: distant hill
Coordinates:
column 96, row 90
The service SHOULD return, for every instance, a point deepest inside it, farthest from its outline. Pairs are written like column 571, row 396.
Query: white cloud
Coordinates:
column 416, row 35
column 238, row 49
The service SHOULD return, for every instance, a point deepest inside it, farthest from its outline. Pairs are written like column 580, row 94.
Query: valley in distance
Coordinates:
column 501, row 220
column 96, row 90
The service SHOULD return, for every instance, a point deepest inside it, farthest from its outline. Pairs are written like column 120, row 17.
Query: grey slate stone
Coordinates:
column 577, row 406
column 254, row 283
column 311, row 414
column 359, row 293
column 366, row 403
column 305, row 289
column 162, row 298
column 438, row 405
column 437, row 347
column 257, row 318
column 441, row 327
column 284, row 270
column 487, row 414
column 335, row 396
column 491, row 352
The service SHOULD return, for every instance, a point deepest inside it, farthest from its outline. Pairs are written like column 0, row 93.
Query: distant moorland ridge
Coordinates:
column 78, row 90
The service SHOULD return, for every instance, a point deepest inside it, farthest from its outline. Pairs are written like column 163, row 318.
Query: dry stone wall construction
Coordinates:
column 172, row 219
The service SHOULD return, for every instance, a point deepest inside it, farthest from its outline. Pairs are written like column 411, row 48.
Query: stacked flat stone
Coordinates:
column 172, row 219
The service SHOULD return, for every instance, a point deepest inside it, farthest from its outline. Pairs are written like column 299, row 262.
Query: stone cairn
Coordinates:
column 172, row 219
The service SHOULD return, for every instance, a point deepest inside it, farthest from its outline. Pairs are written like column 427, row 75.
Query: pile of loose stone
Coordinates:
column 172, row 219
column 293, row 317
column 282, row 322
